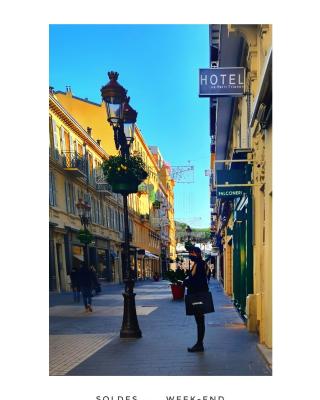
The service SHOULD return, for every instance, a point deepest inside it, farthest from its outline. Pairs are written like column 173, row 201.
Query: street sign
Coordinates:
column 224, row 81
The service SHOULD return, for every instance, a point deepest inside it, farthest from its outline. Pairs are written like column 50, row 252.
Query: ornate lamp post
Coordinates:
column 122, row 118
column 84, row 209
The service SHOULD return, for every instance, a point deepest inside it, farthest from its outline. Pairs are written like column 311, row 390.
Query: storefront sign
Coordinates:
column 230, row 192
column 221, row 82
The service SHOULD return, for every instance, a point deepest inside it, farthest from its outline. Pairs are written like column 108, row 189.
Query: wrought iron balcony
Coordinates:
column 155, row 223
column 101, row 183
column 74, row 163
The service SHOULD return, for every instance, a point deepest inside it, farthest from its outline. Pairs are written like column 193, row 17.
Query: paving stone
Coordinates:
column 167, row 332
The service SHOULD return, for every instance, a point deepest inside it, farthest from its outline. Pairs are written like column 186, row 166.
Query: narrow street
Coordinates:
column 88, row 343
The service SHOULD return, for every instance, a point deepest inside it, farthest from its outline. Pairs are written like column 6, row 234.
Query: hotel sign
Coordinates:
column 221, row 81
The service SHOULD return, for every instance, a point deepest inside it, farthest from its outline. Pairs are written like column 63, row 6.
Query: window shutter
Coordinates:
column 51, row 132
column 93, row 210
column 101, row 213
column 114, row 220
column 54, row 189
column 73, row 197
column 67, row 196
column 63, row 140
column 67, row 140
column 50, row 189
column 98, row 213
column 110, row 218
column 106, row 217
column 55, row 135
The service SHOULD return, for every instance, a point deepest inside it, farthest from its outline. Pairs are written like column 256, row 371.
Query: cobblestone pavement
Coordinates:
column 89, row 344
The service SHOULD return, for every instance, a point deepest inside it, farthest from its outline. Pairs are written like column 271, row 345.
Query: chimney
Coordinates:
column 89, row 130
column 68, row 91
column 98, row 141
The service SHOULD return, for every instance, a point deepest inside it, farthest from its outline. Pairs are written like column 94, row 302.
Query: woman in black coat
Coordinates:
column 197, row 282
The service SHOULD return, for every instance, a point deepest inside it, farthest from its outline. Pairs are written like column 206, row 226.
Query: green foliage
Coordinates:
column 118, row 168
column 156, row 204
column 175, row 276
column 85, row 236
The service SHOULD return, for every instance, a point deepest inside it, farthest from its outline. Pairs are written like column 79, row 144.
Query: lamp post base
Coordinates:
column 130, row 326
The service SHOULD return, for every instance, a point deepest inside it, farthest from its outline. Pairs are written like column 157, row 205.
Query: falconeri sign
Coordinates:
column 221, row 81
column 231, row 192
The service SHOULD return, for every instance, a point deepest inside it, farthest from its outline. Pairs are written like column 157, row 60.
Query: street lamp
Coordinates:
column 84, row 210
column 122, row 117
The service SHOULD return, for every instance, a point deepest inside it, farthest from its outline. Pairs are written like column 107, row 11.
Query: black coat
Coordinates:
column 86, row 279
column 198, row 282
column 74, row 276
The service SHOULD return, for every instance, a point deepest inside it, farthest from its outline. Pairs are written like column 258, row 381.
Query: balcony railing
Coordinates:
column 100, row 182
column 74, row 162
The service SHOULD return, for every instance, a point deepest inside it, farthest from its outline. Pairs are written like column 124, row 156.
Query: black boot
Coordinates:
column 200, row 330
column 198, row 347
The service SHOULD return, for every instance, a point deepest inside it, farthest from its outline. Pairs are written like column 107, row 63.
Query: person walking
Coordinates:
column 95, row 282
column 86, row 285
column 197, row 282
column 75, row 285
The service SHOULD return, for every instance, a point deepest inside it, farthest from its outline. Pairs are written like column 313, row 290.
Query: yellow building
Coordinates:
column 146, row 230
column 166, row 212
column 244, row 224
column 259, row 83
column 74, row 166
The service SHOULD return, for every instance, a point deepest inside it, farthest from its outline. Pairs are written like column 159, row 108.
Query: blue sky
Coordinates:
column 158, row 65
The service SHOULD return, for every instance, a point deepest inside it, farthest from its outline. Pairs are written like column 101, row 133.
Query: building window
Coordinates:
column 106, row 217
column 56, row 153
column 52, row 189
column 109, row 218
column 100, row 207
column 70, row 197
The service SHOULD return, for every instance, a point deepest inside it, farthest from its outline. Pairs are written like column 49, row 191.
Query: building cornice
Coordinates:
column 70, row 121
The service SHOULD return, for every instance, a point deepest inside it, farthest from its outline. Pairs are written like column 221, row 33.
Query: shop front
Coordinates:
column 147, row 264
column 99, row 254
column 242, row 252
column 238, row 239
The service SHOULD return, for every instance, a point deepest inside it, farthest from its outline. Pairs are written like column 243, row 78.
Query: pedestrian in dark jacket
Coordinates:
column 95, row 282
column 197, row 282
column 86, row 285
column 75, row 285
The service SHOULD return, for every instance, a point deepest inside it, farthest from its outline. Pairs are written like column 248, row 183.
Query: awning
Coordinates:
column 78, row 257
column 150, row 255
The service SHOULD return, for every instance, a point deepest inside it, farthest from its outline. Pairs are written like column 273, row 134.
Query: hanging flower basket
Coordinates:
column 85, row 236
column 156, row 204
column 124, row 186
column 124, row 174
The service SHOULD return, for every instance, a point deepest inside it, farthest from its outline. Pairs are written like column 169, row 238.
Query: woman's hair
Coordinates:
column 196, row 250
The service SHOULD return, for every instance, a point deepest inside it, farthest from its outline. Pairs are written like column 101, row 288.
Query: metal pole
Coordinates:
column 189, row 256
column 130, row 327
